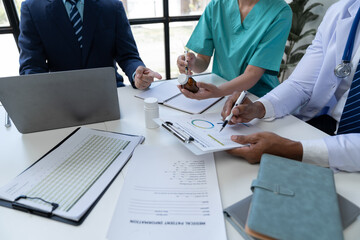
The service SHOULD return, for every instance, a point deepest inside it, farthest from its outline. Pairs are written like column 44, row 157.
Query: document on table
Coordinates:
column 205, row 131
column 168, row 94
column 74, row 174
column 169, row 194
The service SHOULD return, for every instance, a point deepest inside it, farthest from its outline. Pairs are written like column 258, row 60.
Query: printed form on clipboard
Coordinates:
column 66, row 182
column 168, row 94
column 200, row 133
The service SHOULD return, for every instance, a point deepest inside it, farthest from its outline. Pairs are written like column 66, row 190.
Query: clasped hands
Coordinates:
column 258, row 143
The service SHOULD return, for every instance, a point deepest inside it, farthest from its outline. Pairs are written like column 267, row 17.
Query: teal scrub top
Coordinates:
column 259, row 40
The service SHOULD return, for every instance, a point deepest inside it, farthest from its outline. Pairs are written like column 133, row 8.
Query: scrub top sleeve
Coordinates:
column 201, row 40
column 269, row 52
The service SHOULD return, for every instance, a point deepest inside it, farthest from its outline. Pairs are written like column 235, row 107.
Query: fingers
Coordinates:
column 152, row 74
column 144, row 77
column 229, row 104
column 242, row 112
column 184, row 62
column 181, row 63
column 142, row 84
column 206, row 90
column 242, row 152
column 207, row 86
column 248, row 111
column 245, row 139
column 188, row 94
column 251, row 152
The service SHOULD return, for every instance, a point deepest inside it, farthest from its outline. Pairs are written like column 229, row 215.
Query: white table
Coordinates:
column 18, row 151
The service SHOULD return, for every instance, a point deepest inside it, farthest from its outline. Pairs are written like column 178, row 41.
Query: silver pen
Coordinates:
column 237, row 103
column 169, row 126
column 7, row 120
column 187, row 62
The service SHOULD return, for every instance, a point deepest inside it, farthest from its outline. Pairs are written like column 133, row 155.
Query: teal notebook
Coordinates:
column 293, row 200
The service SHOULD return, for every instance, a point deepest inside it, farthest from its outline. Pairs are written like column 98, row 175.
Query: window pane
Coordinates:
column 187, row 7
column 180, row 33
column 150, row 42
column 143, row 9
column 3, row 18
column 18, row 5
column 9, row 57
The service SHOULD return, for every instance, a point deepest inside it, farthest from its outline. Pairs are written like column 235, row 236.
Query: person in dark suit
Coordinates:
column 50, row 41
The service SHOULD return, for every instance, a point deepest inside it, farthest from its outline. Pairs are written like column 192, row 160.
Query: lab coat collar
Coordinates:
column 354, row 8
column 343, row 29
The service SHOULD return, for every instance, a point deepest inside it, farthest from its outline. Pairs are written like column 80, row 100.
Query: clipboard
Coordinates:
column 201, row 134
column 25, row 208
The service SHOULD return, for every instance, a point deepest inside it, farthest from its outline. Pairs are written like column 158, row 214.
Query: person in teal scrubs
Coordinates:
column 248, row 40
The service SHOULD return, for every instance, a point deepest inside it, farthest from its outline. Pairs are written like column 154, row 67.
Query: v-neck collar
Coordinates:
column 249, row 19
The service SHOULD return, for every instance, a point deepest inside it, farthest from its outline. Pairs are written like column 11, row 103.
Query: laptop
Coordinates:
column 45, row 101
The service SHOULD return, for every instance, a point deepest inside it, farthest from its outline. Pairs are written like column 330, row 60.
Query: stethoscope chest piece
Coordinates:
column 343, row 70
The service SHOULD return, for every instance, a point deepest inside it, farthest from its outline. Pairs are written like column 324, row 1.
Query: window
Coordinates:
column 3, row 18
column 9, row 60
column 161, row 29
column 187, row 7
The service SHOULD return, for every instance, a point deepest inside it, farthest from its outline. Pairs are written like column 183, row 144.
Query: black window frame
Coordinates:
column 13, row 17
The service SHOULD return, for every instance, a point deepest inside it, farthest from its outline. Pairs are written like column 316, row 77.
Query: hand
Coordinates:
column 206, row 90
column 182, row 63
column 144, row 77
column 265, row 142
column 245, row 112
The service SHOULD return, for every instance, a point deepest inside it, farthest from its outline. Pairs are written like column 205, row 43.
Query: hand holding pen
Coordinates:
column 185, row 62
column 238, row 102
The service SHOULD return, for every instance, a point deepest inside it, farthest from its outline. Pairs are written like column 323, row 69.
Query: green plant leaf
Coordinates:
column 295, row 58
column 293, row 37
column 309, row 8
column 302, row 15
column 301, row 48
column 308, row 33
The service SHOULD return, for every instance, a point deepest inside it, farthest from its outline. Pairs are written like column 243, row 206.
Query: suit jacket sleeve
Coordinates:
column 32, row 54
column 127, row 55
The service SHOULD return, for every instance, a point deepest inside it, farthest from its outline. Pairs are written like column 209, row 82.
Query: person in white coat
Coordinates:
column 312, row 92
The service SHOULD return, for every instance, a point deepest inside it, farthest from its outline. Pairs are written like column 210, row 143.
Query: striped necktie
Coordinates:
column 76, row 21
column 350, row 118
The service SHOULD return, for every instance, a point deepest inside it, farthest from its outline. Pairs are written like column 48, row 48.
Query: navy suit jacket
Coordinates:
column 47, row 39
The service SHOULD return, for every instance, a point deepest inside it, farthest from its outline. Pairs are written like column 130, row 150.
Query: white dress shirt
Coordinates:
column 313, row 87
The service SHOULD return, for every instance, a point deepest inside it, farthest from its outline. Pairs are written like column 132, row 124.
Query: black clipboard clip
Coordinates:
column 25, row 208
column 170, row 127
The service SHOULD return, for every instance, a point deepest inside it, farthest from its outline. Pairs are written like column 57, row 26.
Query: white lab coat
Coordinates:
column 312, row 85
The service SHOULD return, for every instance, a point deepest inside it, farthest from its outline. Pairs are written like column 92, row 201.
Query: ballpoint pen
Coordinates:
column 238, row 102
column 187, row 61
column 7, row 120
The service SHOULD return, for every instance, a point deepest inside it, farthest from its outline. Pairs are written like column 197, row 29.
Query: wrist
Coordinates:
column 287, row 148
column 260, row 110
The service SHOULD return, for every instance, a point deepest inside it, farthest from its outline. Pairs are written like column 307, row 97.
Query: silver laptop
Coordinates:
column 39, row 102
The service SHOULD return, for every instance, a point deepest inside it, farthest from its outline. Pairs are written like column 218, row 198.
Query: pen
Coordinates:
column 169, row 126
column 238, row 102
column 186, row 67
column 7, row 120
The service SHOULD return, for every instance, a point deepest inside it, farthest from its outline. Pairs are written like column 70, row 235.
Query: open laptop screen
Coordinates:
column 45, row 101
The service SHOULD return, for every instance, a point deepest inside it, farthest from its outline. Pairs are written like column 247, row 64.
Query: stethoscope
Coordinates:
column 344, row 68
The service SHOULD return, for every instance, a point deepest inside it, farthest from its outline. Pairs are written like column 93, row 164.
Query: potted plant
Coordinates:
column 301, row 16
